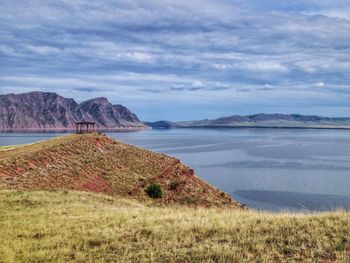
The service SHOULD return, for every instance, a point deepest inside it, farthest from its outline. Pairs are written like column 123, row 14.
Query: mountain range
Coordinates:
column 50, row 111
column 40, row 111
column 259, row 121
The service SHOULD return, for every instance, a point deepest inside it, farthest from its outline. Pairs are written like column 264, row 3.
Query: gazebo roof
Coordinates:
column 85, row 122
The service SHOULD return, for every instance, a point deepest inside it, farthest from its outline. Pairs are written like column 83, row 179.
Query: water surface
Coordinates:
column 270, row 169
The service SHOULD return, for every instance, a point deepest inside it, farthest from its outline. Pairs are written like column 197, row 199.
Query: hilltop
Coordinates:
column 42, row 111
column 161, row 124
column 97, row 163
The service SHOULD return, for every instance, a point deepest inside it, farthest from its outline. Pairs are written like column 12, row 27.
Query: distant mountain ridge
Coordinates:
column 271, row 120
column 50, row 111
column 161, row 124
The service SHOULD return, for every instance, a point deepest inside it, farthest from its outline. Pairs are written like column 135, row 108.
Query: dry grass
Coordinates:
column 10, row 147
column 64, row 226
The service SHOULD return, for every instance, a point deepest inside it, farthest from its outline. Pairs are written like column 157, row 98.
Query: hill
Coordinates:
column 97, row 163
column 161, row 124
column 50, row 111
column 270, row 120
column 61, row 226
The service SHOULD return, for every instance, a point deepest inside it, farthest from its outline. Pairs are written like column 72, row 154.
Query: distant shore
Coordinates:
column 265, row 127
column 131, row 129
column 73, row 129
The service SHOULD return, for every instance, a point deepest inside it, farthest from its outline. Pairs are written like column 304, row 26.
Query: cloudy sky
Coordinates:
column 183, row 59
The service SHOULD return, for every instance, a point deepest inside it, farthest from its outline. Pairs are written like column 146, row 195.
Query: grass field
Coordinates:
column 65, row 226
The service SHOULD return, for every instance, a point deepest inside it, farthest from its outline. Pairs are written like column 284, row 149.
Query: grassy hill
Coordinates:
column 97, row 163
column 65, row 226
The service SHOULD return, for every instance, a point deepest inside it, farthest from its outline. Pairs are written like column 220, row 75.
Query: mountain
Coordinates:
column 271, row 120
column 161, row 124
column 50, row 111
column 97, row 163
column 39, row 110
column 108, row 115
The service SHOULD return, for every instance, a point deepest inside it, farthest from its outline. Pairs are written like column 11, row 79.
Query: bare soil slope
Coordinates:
column 97, row 163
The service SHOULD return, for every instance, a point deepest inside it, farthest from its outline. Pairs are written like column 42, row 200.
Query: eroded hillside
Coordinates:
column 97, row 163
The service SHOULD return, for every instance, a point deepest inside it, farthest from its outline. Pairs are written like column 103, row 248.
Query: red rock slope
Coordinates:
column 97, row 163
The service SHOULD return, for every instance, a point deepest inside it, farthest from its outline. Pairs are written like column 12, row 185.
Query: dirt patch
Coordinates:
column 5, row 176
column 19, row 170
column 96, row 184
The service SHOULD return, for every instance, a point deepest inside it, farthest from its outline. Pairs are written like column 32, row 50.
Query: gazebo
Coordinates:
column 85, row 127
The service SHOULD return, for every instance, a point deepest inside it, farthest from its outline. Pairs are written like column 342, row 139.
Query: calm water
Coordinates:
column 274, row 169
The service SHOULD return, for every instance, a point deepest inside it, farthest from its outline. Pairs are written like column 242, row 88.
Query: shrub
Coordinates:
column 191, row 200
column 173, row 185
column 154, row 191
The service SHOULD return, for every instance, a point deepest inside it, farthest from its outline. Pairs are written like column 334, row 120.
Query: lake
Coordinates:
column 266, row 169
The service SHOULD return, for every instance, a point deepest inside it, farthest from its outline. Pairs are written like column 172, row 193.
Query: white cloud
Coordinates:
column 7, row 50
column 320, row 84
column 265, row 66
column 42, row 50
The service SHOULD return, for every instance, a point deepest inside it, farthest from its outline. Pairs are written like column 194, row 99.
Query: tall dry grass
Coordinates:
column 61, row 226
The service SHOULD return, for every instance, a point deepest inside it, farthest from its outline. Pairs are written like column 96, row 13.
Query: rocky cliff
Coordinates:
column 50, row 111
column 110, row 116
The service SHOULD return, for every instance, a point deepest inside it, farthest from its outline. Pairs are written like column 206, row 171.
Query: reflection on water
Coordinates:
column 295, row 201
column 264, row 168
column 281, row 165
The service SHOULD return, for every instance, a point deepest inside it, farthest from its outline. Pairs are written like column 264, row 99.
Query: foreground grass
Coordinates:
column 10, row 147
column 61, row 226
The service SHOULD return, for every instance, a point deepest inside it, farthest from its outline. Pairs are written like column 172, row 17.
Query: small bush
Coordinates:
column 174, row 185
column 154, row 191
column 142, row 181
column 191, row 200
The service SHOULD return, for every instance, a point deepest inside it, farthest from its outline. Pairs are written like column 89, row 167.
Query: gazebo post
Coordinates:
column 85, row 127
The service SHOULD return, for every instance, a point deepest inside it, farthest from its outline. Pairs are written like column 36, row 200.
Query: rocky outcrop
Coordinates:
column 110, row 116
column 39, row 110
column 50, row 111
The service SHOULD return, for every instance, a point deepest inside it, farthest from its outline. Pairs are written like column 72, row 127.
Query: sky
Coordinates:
column 183, row 59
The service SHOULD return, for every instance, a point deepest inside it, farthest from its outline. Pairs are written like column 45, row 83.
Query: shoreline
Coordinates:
column 70, row 130
column 264, row 127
